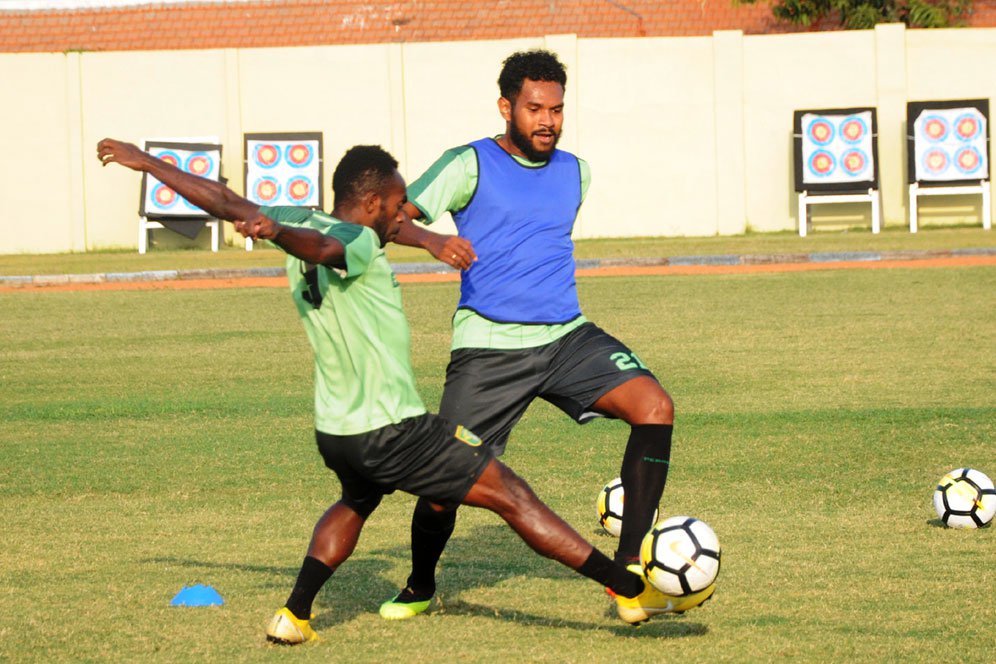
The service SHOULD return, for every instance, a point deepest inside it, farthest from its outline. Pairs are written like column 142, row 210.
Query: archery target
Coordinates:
column 202, row 160
column 950, row 144
column 284, row 169
column 837, row 148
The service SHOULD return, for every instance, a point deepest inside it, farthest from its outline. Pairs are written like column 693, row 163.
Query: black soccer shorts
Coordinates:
column 425, row 456
column 488, row 390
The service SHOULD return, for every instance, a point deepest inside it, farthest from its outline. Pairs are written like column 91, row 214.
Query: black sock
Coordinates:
column 611, row 574
column 644, row 473
column 313, row 575
column 431, row 531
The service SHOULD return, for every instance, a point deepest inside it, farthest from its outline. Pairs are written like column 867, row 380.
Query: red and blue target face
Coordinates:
column 967, row 127
column 968, row 161
column 160, row 199
column 837, row 149
column 936, row 161
column 266, row 155
column 949, row 144
column 299, row 155
column 299, row 190
column 822, row 163
column 266, row 190
column 935, row 128
column 200, row 164
column 283, row 171
column 820, row 132
column 853, row 129
column 163, row 196
column 854, row 162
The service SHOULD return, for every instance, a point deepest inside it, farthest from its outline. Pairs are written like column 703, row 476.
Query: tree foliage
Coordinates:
column 865, row 14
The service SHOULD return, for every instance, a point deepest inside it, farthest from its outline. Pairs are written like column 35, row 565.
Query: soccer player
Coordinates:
column 370, row 425
column 518, row 331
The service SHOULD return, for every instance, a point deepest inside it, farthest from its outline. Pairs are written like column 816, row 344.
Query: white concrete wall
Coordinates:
column 685, row 136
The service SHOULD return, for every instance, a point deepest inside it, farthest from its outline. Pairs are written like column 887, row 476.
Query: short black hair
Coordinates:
column 536, row 65
column 364, row 168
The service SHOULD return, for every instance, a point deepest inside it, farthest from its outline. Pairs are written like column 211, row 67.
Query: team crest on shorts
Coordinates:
column 465, row 435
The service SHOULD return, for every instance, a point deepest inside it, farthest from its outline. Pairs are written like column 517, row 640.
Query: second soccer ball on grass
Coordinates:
column 610, row 507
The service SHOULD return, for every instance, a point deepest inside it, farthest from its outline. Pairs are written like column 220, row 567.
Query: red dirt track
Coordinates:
column 664, row 270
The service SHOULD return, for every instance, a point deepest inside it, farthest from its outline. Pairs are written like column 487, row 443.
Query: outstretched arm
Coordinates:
column 304, row 243
column 450, row 249
column 213, row 197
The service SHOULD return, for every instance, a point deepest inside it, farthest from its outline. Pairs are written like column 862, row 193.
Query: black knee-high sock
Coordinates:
column 431, row 531
column 611, row 574
column 644, row 473
column 313, row 575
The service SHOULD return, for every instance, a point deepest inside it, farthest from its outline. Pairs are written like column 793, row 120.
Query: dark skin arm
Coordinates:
column 222, row 203
column 213, row 197
column 450, row 249
column 304, row 243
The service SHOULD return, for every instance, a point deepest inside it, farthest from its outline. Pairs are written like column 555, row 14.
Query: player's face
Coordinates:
column 392, row 201
column 535, row 117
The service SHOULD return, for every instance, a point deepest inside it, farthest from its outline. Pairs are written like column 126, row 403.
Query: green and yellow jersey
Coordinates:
column 357, row 329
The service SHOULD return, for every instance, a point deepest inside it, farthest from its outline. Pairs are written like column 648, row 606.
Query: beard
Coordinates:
column 523, row 142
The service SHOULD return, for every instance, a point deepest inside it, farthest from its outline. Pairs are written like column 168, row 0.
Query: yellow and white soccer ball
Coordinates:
column 680, row 556
column 965, row 498
column 610, row 507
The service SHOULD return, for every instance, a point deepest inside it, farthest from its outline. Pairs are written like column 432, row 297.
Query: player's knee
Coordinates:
column 653, row 409
column 364, row 506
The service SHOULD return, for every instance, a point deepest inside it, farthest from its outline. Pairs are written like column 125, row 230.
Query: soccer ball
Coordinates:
column 965, row 498
column 610, row 507
column 680, row 556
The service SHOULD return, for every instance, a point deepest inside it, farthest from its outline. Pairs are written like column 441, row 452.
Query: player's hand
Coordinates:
column 126, row 154
column 260, row 227
column 453, row 250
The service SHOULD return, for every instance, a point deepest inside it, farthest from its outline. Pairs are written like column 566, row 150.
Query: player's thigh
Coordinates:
column 589, row 364
column 488, row 390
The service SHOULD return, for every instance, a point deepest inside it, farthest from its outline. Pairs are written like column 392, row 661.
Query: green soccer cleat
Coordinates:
column 288, row 630
column 397, row 609
column 652, row 602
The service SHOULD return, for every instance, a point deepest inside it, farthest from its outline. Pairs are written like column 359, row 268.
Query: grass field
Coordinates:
column 157, row 439
column 891, row 239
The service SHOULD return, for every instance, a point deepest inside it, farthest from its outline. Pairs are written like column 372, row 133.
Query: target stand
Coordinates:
column 145, row 225
column 835, row 155
column 982, row 188
column 947, row 152
column 162, row 207
column 871, row 196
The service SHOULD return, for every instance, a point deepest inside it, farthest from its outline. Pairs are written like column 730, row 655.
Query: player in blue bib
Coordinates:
column 518, row 332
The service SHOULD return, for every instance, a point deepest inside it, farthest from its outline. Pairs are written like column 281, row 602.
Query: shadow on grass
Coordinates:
column 662, row 627
column 485, row 557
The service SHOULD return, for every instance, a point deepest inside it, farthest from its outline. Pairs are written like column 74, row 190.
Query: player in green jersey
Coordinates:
column 371, row 427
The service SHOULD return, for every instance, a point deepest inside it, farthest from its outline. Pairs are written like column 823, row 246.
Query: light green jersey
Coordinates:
column 357, row 329
column 449, row 186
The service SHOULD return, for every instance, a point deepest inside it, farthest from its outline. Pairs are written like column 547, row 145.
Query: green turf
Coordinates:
column 892, row 239
column 157, row 439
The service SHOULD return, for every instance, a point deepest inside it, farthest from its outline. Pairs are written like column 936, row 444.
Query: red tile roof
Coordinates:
column 160, row 26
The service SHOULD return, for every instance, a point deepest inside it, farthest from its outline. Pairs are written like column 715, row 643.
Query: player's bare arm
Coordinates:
column 450, row 249
column 213, row 197
column 304, row 243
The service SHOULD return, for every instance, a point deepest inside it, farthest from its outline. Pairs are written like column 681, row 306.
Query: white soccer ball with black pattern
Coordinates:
column 680, row 556
column 965, row 498
column 610, row 507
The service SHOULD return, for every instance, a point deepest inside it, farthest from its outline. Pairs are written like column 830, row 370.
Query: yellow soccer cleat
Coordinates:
column 288, row 630
column 652, row 602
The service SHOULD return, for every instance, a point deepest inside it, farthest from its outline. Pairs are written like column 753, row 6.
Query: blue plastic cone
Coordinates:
column 197, row 596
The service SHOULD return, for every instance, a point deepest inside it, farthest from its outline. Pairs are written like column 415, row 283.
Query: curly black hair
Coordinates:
column 536, row 65
column 364, row 168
